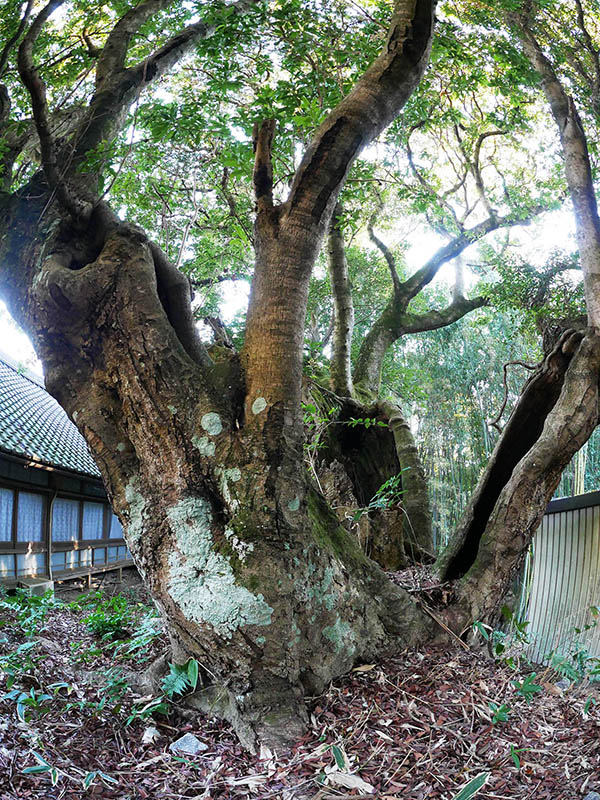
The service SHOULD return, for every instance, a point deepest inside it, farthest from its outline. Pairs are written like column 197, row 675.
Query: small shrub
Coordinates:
column 111, row 618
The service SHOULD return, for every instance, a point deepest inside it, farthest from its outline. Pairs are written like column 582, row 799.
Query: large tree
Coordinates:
column 558, row 409
column 202, row 454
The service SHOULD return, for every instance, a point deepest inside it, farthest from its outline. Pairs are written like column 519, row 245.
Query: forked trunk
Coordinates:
column 253, row 574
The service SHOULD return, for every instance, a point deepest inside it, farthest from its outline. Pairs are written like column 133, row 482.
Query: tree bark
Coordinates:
column 497, row 554
column 202, row 461
column 417, row 531
column 578, row 170
column 520, row 434
column 343, row 310
column 250, row 568
column 558, row 409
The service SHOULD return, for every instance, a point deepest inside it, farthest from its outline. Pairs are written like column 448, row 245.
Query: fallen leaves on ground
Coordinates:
column 416, row 727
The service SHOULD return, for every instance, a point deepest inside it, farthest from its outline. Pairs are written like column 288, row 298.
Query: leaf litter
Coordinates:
column 422, row 725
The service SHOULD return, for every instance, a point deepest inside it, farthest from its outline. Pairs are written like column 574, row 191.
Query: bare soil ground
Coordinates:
column 417, row 726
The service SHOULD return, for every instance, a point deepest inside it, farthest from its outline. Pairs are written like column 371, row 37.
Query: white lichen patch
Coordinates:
column 137, row 505
column 259, row 405
column 294, row 504
column 211, row 423
column 201, row 581
column 204, row 445
column 121, row 447
column 227, row 475
column 240, row 548
column 172, row 409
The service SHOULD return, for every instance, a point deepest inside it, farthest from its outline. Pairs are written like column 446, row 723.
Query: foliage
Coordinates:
column 147, row 630
column 181, row 678
column 111, row 618
column 527, row 688
column 472, row 787
column 500, row 713
column 388, row 495
column 31, row 610
column 19, row 664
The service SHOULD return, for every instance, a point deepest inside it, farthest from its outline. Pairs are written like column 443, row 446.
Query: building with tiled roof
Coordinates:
column 55, row 520
column 33, row 425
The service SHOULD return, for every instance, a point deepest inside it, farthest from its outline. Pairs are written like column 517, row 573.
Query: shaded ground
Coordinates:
column 418, row 726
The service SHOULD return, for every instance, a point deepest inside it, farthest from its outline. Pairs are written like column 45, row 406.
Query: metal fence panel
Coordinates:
column 565, row 583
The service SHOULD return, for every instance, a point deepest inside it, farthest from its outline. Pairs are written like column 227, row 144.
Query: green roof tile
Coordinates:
column 34, row 426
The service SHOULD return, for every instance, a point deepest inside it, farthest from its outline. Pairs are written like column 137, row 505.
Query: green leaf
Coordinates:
column 339, row 757
column 87, row 781
column 40, row 758
column 515, row 757
column 472, row 787
column 192, row 673
column 176, row 682
column 479, row 626
column 107, row 778
column 591, row 701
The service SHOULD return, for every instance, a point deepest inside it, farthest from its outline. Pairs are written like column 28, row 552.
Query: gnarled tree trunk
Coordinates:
column 559, row 408
column 203, row 461
column 252, row 571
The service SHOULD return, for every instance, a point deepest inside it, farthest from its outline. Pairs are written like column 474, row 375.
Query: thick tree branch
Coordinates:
column 6, row 50
column 577, row 166
column 593, row 51
column 37, row 91
column 4, row 108
column 114, row 53
column 262, row 178
column 175, row 294
column 289, row 238
column 220, row 332
column 431, row 320
column 373, row 103
column 343, row 309
column 415, row 492
column 395, row 322
column 117, row 86
column 495, row 423
column 411, row 287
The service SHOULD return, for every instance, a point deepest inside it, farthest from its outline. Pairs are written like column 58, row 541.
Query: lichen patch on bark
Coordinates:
column 240, row 548
column 259, row 405
column 204, row 445
column 137, row 504
column 340, row 635
column 211, row 423
column 226, row 476
column 201, row 581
